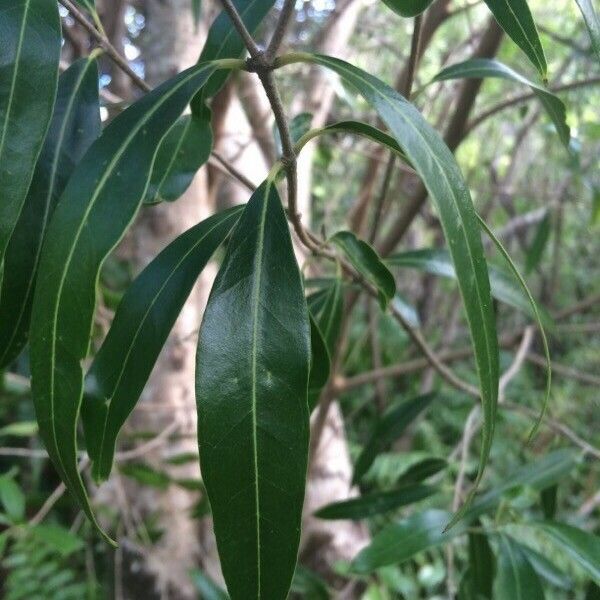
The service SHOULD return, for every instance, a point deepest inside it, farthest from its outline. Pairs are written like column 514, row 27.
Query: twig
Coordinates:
column 236, row 20
column 280, row 28
column 224, row 166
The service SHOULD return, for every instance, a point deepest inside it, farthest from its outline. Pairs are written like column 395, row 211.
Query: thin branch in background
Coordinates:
column 236, row 20
column 282, row 24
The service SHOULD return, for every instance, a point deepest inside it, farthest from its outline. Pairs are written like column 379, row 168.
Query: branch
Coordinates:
column 280, row 29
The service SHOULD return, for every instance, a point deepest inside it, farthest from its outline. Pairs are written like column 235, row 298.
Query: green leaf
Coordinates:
column 408, row 8
column 388, row 429
column 320, row 364
column 423, row 470
column 196, row 11
column 141, row 325
column 548, row 497
column 326, row 307
column 21, row 429
column 437, row 261
column 183, row 151
column 592, row 22
column 74, row 126
column 29, row 56
column 99, row 203
column 366, row 261
column 517, row 579
column 12, row 498
column 298, row 126
column 485, row 67
column 375, row 503
column 538, row 245
column 581, row 546
column 547, row 570
column 146, row 475
column 251, row 387
column 441, row 175
column 309, row 585
column 208, row 589
column 61, row 540
column 517, row 21
column 481, row 565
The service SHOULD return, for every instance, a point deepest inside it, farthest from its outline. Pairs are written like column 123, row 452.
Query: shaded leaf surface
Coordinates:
column 517, row 579
column 592, row 22
column 320, row 364
column 408, row 8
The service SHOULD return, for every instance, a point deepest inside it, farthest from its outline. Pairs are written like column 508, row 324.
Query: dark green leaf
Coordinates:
column 375, row 503
column 408, row 8
column 99, row 203
column 592, row 22
column 517, row 579
column 183, row 458
column 29, row 56
column 251, row 386
column 538, row 245
column 422, row 470
column 441, row 175
column 74, row 126
column 389, row 428
column 146, row 475
column 515, row 18
column 326, row 307
column 183, row 151
column 320, row 364
column 485, row 67
column 437, row 262
column 12, row 498
column 208, row 589
column 309, row 585
column 548, row 497
column 366, row 261
column 547, row 570
column 481, row 565
column 592, row 591
column 141, row 325
column 581, row 546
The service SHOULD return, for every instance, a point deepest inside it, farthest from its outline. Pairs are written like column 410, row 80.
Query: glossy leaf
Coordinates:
column 481, row 565
column 183, row 151
column 100, row 201
column 437, row 261
column 517, row 21
column 485, row 67
column 320, row 364
column 422, row 470
column 517, row 579
column 368, row 264
column 408, row 8
column 375, row 503
column 326, row 308
column 441, row 175
column 74, row 126
column 139, row 330
column 538, row 244
column 388, row 430
column 251, row 386
column 583, row 547
column 592, row 22
column 29, row 55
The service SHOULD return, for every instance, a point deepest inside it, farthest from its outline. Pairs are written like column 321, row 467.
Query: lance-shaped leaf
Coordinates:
column 484, row 67
column 516, row 579
column 592, row 22
column 437, row 261
column 74, row 126
column 326, row 307
column 581, row 546
column 97, row 206
column 375, row 503
column 388, row 429
column 408, row 8
column 320, row 364
column 251, row 387
column 481, row 565
column 422, row 470
column 440, row 173
column 183, row 151
column 546, row 569
column 29, row 56
column 538, row 244
column 141, row 325
column 368, row 264
column 517, row 21
column 309, row 585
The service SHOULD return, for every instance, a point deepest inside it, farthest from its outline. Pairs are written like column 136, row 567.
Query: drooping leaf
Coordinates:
column 375, row 503
column 366, row 261
column 326, row 308
column 251, row 387
column 441, row 175
column 422, row 470
column 592, row 22
column 29, row 56
column 309, row 585
column 183, row 151
column 437, row 261
column 517, row 21
column 408, row 8
column 74, row 126
column 538, row 244
column 516, row 579
column 583, row 547
column 98, row 204
column 320, row 364
column 481, row 565
column 139, row 330
column 485, row 67
column 388, row 429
